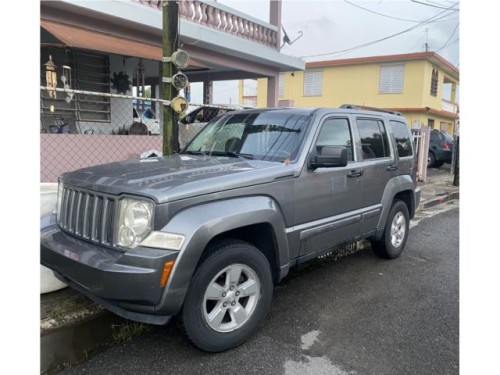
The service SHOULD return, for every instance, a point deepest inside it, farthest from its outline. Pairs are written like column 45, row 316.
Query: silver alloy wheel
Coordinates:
column 398, row 229
column 230, row 298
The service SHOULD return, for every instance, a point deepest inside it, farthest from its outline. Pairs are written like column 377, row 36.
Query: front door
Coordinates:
column 327, row 198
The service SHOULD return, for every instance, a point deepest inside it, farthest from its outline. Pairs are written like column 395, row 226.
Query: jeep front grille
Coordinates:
column 88, row 215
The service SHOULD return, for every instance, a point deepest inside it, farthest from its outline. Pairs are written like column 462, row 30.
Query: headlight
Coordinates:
column 134, row 221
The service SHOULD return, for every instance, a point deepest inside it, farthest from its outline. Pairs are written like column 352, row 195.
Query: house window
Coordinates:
column 391, row 79
column 434, row 82
column 313, row 83
column 281, row 85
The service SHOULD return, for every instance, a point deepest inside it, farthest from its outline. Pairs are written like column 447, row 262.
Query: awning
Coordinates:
column 78, row 37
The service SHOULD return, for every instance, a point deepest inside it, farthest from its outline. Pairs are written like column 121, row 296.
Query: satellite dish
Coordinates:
column 179, row 104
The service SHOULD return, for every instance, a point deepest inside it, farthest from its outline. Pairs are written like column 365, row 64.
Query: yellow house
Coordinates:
column 422, row 86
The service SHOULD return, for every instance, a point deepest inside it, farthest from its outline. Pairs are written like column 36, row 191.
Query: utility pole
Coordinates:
column 170, row 39
column 456, row 172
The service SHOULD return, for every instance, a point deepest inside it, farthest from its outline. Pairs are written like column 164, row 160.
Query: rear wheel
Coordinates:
column 228, row 298
column 431, row 159
column 396, row 231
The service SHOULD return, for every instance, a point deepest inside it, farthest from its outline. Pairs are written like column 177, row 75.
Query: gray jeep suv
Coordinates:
column 205, row 234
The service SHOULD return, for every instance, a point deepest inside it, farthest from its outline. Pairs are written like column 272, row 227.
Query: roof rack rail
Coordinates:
column 356, row 106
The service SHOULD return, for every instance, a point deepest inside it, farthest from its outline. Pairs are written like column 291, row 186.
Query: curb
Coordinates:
column 443, row 198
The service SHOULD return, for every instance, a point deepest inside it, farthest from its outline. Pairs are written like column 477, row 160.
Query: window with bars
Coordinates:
column 434, row 82
column 313, row 83
column 89, row 72
column 391, row 79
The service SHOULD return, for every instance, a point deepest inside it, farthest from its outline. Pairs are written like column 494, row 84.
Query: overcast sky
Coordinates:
column 331, row 26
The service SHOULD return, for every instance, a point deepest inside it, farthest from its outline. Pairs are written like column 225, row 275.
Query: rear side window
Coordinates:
column 374, row 141
column 402, row 138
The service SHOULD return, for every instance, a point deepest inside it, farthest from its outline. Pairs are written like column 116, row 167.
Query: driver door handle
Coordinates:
column 355, row 173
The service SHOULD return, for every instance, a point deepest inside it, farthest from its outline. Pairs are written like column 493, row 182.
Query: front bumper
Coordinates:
column 127, row 283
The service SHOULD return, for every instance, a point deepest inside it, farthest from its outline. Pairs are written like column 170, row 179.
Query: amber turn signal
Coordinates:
column 166, row 272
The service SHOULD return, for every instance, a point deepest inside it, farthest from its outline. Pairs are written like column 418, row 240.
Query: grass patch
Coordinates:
column 126, row 331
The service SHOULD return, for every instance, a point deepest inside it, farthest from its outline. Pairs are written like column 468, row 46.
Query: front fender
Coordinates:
column 199, row 224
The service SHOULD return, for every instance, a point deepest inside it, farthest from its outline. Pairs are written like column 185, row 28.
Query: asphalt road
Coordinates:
column 358, row 315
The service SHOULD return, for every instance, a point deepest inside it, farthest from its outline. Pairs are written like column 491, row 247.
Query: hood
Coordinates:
column 174, row 177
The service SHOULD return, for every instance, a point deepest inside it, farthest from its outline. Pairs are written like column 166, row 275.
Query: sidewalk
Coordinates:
column 438, row 188
column 66, row 312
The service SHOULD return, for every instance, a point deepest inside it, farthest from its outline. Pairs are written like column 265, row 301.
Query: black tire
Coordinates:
column 386, row 247
column 195, row 320
column 431, row 160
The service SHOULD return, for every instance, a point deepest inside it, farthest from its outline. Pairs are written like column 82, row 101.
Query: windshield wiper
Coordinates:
column 232, row 154
column 194, row 152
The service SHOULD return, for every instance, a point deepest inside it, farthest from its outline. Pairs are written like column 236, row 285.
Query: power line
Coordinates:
column 446, row 46
column 380, row 14
column 428, row 21
column 436, row 6
column 451, row 36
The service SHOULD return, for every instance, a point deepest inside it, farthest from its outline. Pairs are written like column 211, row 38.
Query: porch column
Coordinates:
column 453, row 96
column 275, row 18
column 208, row 92
column 272, row 91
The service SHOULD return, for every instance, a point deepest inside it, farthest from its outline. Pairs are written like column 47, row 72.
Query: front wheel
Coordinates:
column 228, row 298
column 396, row 231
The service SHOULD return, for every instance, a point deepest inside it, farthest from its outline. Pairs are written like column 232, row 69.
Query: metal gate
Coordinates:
column 421, row 139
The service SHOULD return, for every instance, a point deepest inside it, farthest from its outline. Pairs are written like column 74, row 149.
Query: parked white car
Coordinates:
column 197, row 118
column 48, row 201
column 149, row 119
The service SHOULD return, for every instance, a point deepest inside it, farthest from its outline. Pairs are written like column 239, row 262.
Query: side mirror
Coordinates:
column 329, row 157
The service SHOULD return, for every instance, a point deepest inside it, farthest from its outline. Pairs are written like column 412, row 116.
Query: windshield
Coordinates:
column 269, row 135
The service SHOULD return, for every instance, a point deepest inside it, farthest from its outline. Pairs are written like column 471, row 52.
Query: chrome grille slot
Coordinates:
column 88, row 215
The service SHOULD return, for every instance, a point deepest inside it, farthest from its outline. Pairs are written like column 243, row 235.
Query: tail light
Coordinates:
column 446, row 145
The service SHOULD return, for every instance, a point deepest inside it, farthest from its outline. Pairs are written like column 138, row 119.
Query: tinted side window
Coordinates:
column 374, row 142
column 402, row 138
column 435, row 136
column 336, row 132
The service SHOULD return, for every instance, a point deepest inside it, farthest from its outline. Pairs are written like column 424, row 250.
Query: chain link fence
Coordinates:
column 80, row 129
column 122, row 127
column 83, row 128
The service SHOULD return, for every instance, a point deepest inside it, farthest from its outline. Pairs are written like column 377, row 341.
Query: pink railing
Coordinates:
column 224, row 19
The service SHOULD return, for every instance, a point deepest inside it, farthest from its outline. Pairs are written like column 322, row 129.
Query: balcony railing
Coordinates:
column 224, row 19
column 448, row 106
